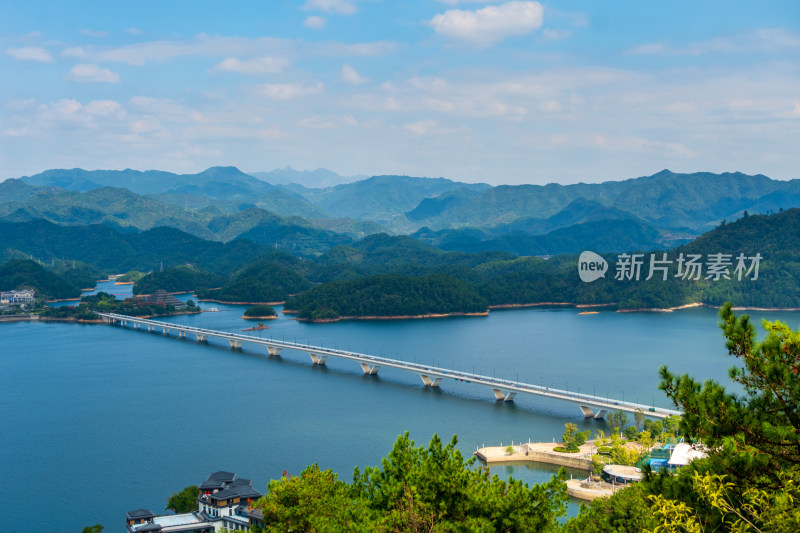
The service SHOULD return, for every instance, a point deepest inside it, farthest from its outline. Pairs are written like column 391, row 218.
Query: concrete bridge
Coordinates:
column 431, row 376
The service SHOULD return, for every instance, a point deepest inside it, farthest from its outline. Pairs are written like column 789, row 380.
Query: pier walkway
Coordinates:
column 432, row 376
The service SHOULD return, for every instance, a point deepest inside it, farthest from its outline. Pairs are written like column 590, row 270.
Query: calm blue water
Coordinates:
column 100, row 420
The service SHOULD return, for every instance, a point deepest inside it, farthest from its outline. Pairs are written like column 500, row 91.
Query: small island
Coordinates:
column 260, row 312
column 388, row 296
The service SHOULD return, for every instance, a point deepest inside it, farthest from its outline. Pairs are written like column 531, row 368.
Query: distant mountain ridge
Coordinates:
column 663, row 209
column 312, row 179
column 225, row 185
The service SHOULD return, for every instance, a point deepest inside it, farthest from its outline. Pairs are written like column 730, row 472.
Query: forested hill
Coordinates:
column 246, row 271
column 25, row 274
column 223, row 203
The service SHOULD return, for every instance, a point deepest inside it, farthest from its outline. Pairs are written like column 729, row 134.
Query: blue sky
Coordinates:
column 500, row 92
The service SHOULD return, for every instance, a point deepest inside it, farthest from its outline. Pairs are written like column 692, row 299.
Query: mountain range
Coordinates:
column 222, row 203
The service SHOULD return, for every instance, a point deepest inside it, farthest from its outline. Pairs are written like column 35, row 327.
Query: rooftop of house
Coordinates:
column 236, row 491
column 169, row 521
column 139, row 514
column 218, row 480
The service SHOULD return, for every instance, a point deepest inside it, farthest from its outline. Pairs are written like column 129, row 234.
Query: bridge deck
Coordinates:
column 431, row 375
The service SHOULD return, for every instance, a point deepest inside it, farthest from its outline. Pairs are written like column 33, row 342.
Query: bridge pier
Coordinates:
column 274, row 351
column 426, row 379
column 370, row 369
column 318, row 359
column 201, row 338
column 504, row 396
column 235, row 344
column 588, row 413
column 165, row 331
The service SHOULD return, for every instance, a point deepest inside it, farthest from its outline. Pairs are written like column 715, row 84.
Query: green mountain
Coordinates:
column 227, row 185
column 387, row 296
column 182, row 278
column 665, row 200
column 115, row 207
column 261, row 282
column 380, row 198
column 318, row 178
column 129, row 212
column 602, row 236
column 108, row 250
column 26, row 274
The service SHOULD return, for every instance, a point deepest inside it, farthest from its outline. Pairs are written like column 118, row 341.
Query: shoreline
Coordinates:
column 394, row 317
column 271, row 317
column 234, row 303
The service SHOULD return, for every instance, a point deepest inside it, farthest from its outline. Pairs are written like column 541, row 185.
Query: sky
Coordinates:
column 477, row 91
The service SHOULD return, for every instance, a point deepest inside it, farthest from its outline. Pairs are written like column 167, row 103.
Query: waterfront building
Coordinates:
column 225, row 502
column 22, row 297
column 162, row 297
column 621, row 474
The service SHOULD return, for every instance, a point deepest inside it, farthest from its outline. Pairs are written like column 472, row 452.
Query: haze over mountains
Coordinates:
column 223, row 203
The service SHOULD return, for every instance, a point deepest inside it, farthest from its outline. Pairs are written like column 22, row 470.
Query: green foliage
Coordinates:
column 562, row 449
column 315, row 500
column 625, row 512
column 260, row 311
column 631, row 432
column 750, row 480
column 572, row 439
column 184, row 501
column 416, row 489
column 26, row 274
column 132, row 276
column 752, row 438
column 182, row 278
column 97, row 528
column 740, row 509
column 388, row 295
column 103, row 302
column 262, row 281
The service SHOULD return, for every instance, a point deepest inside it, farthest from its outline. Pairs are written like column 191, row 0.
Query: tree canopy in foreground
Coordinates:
column 416, row 489
column 750, row 480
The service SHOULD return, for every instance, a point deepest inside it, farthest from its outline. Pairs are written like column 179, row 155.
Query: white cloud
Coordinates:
column 30, row 53
column 555, row 35
column 317, row 122
column 104, row 108
column 288, row 91
column 133, row 31
column 351, row 76
column 490, row 24
column 343, row 7
column 92, row 33
column 257, row 65
column 456, row 2
column 652, row 48
column 90, row 73
column 216, row 47
column 421, row 127
column 314, row 22
column 767, row 40
column 146, row 124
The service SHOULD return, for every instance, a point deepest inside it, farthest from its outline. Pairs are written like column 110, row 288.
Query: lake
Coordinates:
column 100, row 420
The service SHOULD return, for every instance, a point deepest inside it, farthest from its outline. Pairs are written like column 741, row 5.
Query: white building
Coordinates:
column 225, row 502
column 17, row 297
